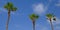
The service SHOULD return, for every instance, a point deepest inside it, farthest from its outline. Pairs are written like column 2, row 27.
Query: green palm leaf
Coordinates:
column 14, row 9
column 49, row 15
column 10, row 6
column 34, row 16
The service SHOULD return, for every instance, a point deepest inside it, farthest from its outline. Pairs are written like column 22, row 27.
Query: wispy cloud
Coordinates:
column 39, row 8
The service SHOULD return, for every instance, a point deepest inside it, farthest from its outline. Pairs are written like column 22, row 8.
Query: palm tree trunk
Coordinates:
column 33, row 25
column 51, row 24
column 8, row 20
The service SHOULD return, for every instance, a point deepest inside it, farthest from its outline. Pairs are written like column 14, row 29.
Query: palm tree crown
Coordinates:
column 9, row 6
column 34, row 16
column 50, row 16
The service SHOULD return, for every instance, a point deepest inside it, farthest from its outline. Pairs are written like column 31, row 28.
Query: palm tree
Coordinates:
column 9, row 6
column 50, row 17
column 33, row 17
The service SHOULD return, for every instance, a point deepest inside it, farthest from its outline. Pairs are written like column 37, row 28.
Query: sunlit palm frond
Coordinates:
column 49, row 15
column 6, row 6
column 33, row 16
column 10, row 5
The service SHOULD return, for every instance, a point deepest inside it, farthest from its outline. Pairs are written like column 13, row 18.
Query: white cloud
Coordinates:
column 39, row 8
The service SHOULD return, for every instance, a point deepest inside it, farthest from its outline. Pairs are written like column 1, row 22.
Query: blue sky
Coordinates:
column 20, row 20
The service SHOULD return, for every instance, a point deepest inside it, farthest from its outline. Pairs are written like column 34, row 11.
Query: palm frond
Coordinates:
column 49, row 15
column 6, row 6
column 37, row 16
column 10, row 5
column 34, row 16
column 14, row 9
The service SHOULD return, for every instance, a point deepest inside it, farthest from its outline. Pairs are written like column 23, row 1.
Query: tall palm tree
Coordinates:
column 9, row 6
column 51, row 17
column 33, row 17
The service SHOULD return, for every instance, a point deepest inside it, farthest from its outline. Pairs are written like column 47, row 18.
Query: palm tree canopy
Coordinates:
column 33, row 16
column 49, row 16
column 10, row 6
